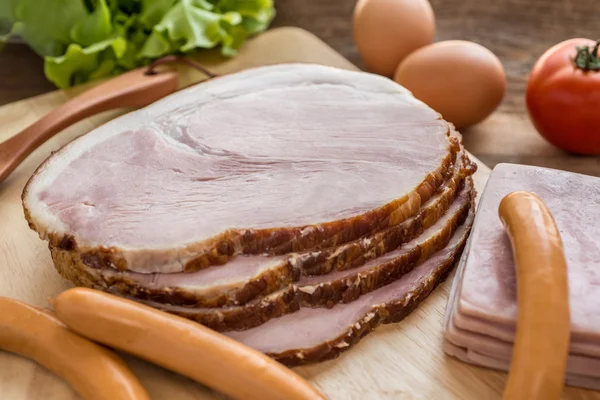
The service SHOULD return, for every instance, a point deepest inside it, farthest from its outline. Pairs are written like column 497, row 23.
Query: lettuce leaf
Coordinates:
column 193, row 24
column 184, row 27
column 83, row 40
column 7, row 10
column 47, row 29
column 153, row 11
column 81, row 64
column 94, row 27
column 256, row 14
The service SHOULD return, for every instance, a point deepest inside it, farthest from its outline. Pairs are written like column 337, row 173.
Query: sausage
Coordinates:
column 95, row 372
column 180, row 345
column 541, row 347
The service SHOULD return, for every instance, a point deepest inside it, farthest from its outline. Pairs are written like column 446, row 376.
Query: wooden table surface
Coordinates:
column 518, row 31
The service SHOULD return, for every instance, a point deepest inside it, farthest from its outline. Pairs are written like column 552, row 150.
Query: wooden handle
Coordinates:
column 541, row 348
column 135, row 88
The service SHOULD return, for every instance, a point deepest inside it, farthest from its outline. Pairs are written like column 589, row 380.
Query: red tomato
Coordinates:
column 563, row 98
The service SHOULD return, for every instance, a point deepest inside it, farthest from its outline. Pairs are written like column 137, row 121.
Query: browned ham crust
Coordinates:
column 344, row 325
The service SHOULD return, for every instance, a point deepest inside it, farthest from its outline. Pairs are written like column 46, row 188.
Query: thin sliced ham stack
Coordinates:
column 294, row 198
column 482, row 310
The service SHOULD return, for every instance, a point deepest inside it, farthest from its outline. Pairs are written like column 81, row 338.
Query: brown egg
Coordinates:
column 386, row 31
column 463, row 81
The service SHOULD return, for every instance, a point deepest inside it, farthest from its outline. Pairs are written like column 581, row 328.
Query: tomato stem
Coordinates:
column 587, row 60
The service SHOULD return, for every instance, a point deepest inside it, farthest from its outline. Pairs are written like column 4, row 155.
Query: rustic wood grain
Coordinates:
column 518, row 31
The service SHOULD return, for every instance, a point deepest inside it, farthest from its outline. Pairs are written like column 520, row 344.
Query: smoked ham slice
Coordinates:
column 265, row 161
column 482, row 310
column 294, row 207
column 338, row 286
column 245, row 278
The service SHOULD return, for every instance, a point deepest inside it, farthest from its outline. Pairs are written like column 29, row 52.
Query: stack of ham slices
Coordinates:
column 292, row 207
column 482, row 309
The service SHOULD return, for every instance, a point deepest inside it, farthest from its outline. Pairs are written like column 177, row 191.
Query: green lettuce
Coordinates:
column 82, row 40
column 153, row 11
column 94, row 27
column 82, row 64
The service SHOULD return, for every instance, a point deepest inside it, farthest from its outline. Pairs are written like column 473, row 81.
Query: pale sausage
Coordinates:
column 93, row 371
column 541, row 345
column 180, row 345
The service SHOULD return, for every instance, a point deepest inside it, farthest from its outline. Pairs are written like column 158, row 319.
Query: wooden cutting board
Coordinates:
column 398, row 361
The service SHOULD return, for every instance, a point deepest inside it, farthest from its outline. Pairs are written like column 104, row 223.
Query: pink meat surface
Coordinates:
column 480, row 318
column 488, row 290
column 467, row 336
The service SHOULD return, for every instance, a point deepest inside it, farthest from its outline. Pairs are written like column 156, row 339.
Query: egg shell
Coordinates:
column 463, row 81
column 386, row 31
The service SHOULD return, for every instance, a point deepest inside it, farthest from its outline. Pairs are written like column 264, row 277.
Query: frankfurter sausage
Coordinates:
column 94, row 372
column 180, row 345
column 541, row 345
